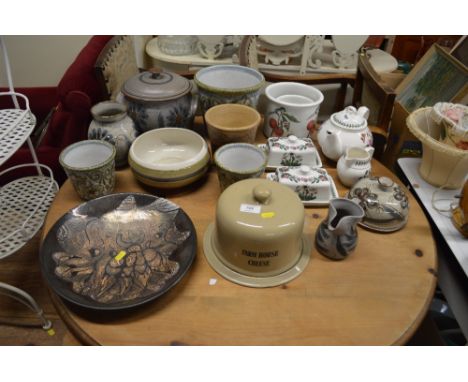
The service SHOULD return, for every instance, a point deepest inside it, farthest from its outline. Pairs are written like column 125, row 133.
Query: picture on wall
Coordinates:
column 437, row 77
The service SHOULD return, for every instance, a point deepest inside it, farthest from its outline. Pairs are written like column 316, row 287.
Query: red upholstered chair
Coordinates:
column 68, row 107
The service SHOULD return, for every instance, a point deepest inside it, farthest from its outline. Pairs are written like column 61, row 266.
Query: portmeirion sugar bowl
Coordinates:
column 291, row 151
column 292, row 109
column 257, row 237
column 159, row 98
column 384, row 202
column 313, row 185
column 347, row 128
column 354, row 165
column 112, row 124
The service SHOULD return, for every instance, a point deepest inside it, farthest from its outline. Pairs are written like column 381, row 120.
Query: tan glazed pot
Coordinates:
column 232, row 123
column 257, row 239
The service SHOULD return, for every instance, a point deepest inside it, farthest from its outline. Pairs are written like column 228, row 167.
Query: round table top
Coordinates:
column 377, row 296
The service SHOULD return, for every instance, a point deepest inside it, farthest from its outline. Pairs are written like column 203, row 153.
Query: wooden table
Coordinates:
column 378, row 295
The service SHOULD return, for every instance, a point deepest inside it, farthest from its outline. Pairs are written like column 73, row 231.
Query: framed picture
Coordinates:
column 460, row 50
column 437, row 77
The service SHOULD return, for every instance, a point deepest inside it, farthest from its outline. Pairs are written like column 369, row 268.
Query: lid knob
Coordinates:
column 261, row 194
column 385, row 182
column 304, row 169
column 292, row 138
column 155, row 72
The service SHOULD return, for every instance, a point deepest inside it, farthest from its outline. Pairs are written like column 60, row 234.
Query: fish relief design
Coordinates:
column 111, row 258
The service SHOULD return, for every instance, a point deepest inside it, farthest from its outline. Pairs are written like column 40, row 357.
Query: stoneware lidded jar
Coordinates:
column 347, row 128
column 112, row 124
column 159, row 98
column 257, row 238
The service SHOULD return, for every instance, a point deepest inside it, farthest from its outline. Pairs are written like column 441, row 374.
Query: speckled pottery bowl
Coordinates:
column 90, row 166
column 221, row 84
column 169, row 157
column 238, row 161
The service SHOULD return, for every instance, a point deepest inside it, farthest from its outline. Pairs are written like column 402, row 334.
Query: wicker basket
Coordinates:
column 441, row 165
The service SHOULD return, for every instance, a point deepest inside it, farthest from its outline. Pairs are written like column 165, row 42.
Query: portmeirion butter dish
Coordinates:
column 314, row 186
column 291, row 151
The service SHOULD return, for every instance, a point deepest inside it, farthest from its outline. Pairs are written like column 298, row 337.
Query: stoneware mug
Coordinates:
column 238, row 161
column 90, row 166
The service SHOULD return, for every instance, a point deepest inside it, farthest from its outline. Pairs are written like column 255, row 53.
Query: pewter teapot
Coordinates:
column 347, row 128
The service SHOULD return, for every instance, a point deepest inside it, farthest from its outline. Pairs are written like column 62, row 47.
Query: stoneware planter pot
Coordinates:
column 112, row 124
column 90, row 166
column 292, row 109
column 231, row 123
column 159, row 98
column 221, row 84
column 238, row 161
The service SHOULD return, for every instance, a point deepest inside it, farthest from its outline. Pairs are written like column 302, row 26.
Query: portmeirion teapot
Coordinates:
column 354, row 165
column 347, row 128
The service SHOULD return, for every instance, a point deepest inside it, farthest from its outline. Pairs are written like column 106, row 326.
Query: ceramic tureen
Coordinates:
column 384, row 202
column 347, row 128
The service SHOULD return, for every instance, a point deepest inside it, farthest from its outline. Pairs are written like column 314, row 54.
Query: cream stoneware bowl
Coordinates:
column 169, row 157
column 230, row 123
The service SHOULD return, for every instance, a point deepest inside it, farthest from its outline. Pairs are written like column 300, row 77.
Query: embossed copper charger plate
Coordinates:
column 118, row 251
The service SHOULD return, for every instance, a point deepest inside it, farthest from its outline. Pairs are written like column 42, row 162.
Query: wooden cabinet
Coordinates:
column 412, row 48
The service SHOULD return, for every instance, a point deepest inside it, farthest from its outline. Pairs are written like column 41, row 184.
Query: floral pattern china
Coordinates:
column 291, row 151
column 314, row 186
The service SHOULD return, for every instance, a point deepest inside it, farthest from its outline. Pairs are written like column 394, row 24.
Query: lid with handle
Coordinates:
column 156, row 85
column 350, row 118
column 290, row 143
column 259, row 228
